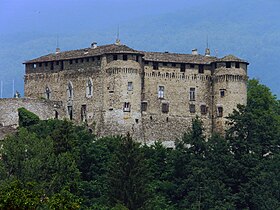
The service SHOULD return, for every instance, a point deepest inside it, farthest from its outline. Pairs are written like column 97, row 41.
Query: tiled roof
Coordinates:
column 178, row 58
column 82, row 53
column 148, row 56
column 231, row 58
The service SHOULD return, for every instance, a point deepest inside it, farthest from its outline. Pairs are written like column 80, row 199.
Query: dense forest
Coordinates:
column 57, row 165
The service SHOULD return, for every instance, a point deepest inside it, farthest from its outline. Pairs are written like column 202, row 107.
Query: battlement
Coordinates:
column 115, row 89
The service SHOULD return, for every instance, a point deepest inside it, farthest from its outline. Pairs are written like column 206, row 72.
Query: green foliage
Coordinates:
column 56, row 165
column 27, row 118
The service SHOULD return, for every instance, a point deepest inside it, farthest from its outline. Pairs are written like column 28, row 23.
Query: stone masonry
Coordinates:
column 114, row 89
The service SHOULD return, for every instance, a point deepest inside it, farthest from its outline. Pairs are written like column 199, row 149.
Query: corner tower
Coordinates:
column 229, row 89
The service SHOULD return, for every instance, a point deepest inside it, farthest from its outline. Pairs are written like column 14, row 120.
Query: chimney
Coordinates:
column 207, row 52
column 94, row 45
column 57, row 50
column 194, row 52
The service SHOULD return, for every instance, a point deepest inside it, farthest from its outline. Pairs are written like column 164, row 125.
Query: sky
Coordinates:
column 249, row 29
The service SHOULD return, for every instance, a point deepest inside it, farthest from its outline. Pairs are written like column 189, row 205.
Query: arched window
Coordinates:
column 48, row 93
column 89, row 90
column 70, row 90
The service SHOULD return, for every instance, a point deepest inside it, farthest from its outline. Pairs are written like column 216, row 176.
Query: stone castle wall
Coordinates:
column 43, row 108
column 125, row 93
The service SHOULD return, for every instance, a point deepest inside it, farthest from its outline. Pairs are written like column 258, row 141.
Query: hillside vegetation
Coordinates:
column 57, row 165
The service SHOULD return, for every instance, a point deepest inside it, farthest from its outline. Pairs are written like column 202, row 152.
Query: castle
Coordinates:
column 115, row 89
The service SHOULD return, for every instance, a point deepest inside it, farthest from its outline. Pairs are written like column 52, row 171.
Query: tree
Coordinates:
column 128, row 177
column 27, row 118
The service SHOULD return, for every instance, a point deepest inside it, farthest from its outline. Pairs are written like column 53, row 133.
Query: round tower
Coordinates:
column 123, row 83
column 229, row 89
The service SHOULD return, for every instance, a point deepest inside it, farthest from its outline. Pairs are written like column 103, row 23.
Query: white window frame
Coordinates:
column 161, row 92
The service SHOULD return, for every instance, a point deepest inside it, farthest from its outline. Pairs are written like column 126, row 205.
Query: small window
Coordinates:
column 70, row 62
column 165, row 107
column 173, row 64
column 228, row 65
column 98, row 57
column 192, row 94
column 115, row 57
column 237, row 65
column 183, row 67
column 144, row 106
column 164, row 64
column 161, row 92
column 40, row 64
column 126, row 107
column 125, row 57
column 215, row 65
column 222, row 92
column 87, row 59
column 46, row 64
column 155, row 65
column 56, row 114
column 192, row 66
column 51, row 65
column 92, row 59
column 82, row 60
column 48, row 93
column 84, row 113
column 220, row 111
column 192, row 108
column 34, row 65
column 62, row 65
column 129, row 86
column 70, row 112
column 146, row 62
column 203, row 109
column 76, row 60
column 89, row 88
column 70, row 90
column 57, row 63
column 137, row 58
column 201, row 69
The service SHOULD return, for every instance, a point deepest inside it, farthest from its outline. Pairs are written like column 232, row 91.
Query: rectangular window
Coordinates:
column 98, row 57
column 40, row 64
column 222, row 92
column 137, row 58
column 146, row 62
column 82, row 60
column 165, row 108
column 144, row 106
column 220, row 111
column 46, row 64
column 192, row 66
column 173, row 64
column 192, row 94
column 237, row 65
column 192, row 108
column 84, row 113
column 201, row 69
column 34, row 65
column 161, row 92
column 76, row 60
column 70, row 62
column 62, row 65
column 70, row 112
column 203, row 109
column 164, row 64
column 183, row 67
column 228, row 64
column 115, row 57
column 51, row 65
column 87, row 59
column 57, row 63
column 129, row 86
column 125, row 57
column 155, row 65
column 92, row 59
column 126, row 107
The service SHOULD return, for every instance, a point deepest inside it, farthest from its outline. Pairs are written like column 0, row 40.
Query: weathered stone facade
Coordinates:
column 154, row 96
column 45, row 109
